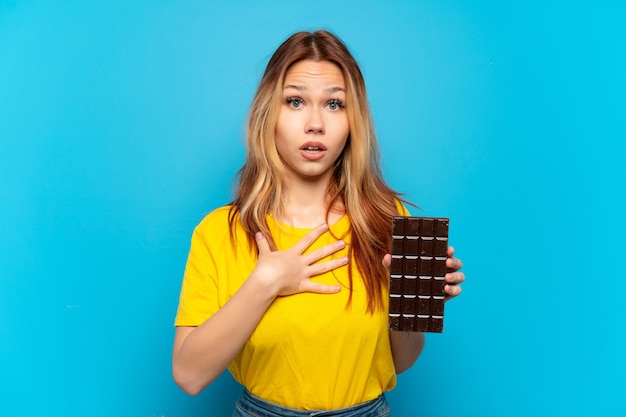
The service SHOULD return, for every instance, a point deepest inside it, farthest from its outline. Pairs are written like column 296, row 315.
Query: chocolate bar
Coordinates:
column 418, row 268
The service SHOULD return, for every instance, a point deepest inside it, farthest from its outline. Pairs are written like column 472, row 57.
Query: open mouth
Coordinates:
column 313, row 147
column 313, row 151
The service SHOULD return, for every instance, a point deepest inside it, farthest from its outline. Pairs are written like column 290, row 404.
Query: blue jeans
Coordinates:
column 250, row 406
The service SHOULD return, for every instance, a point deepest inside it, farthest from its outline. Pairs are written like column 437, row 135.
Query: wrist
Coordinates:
column 263, row 287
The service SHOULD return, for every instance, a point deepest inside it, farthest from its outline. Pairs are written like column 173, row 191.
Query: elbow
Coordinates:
column 404, row 366
column 406, row 348
column 188, row 382
column 190, row 389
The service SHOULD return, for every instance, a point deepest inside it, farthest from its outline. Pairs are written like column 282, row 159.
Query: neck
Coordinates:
column 306, row 203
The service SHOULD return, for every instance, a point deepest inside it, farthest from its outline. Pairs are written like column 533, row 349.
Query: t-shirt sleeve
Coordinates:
column 402, row 210
column 199, row 293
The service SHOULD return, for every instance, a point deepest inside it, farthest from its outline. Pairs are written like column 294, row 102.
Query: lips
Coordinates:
column 313, row 150
column 313, row 147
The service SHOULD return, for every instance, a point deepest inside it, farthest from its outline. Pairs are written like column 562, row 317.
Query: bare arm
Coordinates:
column 407, row 346
column 202, row 353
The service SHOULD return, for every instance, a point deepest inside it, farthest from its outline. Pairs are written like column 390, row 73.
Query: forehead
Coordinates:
column 310, row 72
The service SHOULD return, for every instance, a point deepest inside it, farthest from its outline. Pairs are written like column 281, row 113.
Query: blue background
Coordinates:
column 121, row 126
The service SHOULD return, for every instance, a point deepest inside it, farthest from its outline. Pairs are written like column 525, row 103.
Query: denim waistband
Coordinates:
column 249, row 405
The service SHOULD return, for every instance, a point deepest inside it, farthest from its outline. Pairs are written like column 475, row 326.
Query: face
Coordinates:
column 312, row 126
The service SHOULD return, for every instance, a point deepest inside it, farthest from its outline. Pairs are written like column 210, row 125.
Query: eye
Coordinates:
column 294, row 102
column 335, row 105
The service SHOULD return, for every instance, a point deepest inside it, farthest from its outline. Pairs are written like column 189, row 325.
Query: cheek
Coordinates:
column 345, row 129
column 285, row 135
column 279, row 133
column 344, row 143
column 345, row 123
column 286, row 125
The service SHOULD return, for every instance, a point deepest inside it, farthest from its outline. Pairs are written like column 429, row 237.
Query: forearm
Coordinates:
column 405, row 349
column 201, row 354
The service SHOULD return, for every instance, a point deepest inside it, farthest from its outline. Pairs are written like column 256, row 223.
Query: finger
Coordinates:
column 322, row 267
column 450, row 251
column 455, row 277
column 261, row 243
column 387, row 261
column 454, row 264
column 452, row 290
column 308, row 239
column 324, row 251
column 316, row 287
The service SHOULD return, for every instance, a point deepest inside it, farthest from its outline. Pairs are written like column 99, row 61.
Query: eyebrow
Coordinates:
column 303, row 88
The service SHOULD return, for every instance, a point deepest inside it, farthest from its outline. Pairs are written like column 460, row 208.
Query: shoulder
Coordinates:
column 401, row 207
column 214, row 225
column 216, row 218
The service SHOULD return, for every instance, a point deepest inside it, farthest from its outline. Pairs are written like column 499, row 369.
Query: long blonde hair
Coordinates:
column 357, row 180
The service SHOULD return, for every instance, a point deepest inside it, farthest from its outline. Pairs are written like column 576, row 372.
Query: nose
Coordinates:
column 315, row 122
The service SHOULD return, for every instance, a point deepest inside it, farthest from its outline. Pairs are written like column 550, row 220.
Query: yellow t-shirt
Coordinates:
column 309, row 351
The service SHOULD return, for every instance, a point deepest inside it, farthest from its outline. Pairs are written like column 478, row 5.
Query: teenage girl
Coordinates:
column 287, row 286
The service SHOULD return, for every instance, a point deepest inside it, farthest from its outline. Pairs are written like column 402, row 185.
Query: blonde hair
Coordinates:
column 357, row 180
